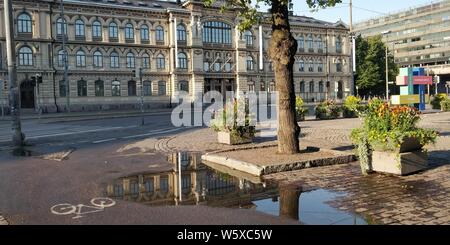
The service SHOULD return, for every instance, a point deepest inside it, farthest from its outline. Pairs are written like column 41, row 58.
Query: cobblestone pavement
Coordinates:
column 422, row 198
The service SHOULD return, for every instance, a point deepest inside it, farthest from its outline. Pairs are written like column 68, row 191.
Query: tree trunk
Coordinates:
column 282, row 51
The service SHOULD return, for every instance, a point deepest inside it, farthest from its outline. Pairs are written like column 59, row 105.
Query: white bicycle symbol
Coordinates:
column 98, row 205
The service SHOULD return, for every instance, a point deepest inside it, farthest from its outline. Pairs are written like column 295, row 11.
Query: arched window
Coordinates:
column 113, row 30
column 338, row 45
column 80, row 58
column 130, row 60
column 145, row 37
column 182, row 61
column 115, row 88
column 319, row 66
column 250, row 65
column 98, row 59
column 161, row 88
column 61, row 26
column 160, row 61
column 311, row 87
column 321, row 87
column 216, row 32
column 147, row 88
column 129, row 31
column 114, row 60
column 319, row 44
column 338, row 65
column 248, row 38
column 183, row 86
column 79, row 28
column 311, row 66
column 302, row 86
column 24, row 23
column 99, row 88
column 96, row 29
column 61, row 58
column 145, row 61
column 132, row 88
column 181, row 33
column 159, row 32
column 82, row 88
column 301, row 43
column 25, row 56
column 310, row 42
column 301, row 65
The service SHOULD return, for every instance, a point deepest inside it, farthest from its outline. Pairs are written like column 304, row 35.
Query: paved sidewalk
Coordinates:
column 423, row 198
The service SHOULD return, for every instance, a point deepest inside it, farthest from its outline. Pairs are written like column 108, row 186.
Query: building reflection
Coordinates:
column 199, row 185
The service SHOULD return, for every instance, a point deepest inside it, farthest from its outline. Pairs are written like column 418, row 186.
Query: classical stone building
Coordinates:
column 113, row 45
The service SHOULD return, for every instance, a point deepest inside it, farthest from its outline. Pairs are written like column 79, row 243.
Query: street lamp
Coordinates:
column 387, row 64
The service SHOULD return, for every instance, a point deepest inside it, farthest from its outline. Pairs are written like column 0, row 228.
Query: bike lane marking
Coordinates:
column 96, row 205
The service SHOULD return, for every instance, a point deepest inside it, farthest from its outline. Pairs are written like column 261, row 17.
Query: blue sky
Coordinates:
column 363, row 9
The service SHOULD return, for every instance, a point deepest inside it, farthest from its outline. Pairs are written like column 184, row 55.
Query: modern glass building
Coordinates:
column 418, row 37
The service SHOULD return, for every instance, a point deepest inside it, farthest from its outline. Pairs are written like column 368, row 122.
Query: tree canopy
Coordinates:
column 371, row 66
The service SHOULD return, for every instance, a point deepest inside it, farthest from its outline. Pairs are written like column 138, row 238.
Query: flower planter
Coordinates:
column 230, row 139
column 399, row 163
column 326, row 116
column 300, row 117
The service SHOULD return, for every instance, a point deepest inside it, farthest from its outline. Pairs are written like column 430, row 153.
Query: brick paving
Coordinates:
column 422, row 198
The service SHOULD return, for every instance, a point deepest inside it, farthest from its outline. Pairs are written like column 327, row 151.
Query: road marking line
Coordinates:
column 101, row 141
column 152, row 133
column 71, row 133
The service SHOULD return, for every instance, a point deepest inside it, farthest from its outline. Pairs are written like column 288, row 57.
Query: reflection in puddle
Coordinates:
column 314, row 210
column 199, row 184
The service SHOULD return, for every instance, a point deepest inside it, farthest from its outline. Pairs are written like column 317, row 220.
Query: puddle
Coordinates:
column 314, row 210
column 199, row 184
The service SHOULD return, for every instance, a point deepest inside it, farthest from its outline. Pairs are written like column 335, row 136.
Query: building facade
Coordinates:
column 419, row 37
column 118, row 50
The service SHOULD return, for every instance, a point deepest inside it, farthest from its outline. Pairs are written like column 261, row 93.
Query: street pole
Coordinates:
column 66, row 62
column 353, row 48
column 142, row 97
column 387, row 74
column 18, row 137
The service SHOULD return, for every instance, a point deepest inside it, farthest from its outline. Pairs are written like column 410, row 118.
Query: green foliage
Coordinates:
column 445, row 105
column 352, row 107
column 235, row 119
column 300, row 108
column 327, row 110
column 437, row 99
column 371, row 65
column 386, row 127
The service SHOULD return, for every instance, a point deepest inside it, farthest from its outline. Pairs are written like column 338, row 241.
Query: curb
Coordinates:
column 257, row 170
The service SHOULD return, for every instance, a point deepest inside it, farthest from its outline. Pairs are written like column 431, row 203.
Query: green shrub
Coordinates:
column 351, row 107
column 300, row 110
column 445, row 105
column 227, row 119
column 327, row 110
column 437, row 99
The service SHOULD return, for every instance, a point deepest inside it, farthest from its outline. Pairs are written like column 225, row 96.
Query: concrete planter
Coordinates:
column 399, row 163
column 229, row 139
column 408, row 158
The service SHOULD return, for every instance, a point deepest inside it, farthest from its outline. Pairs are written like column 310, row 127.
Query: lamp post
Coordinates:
column 142, row 97
column 387, row 64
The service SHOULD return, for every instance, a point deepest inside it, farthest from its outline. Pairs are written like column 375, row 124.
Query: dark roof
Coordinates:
column 135, row 3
